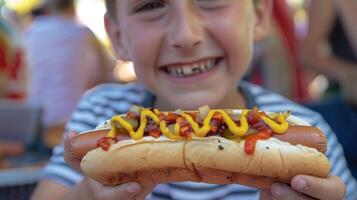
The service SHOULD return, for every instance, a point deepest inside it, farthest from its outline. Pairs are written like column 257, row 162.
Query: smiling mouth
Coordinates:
column 193, row 69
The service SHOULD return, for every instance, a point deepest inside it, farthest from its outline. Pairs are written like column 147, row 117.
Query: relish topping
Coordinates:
column 185, row 125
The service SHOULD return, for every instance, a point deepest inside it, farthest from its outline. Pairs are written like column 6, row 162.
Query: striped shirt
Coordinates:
column 105, row 101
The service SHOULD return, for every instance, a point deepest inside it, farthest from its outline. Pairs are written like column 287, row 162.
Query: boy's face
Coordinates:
column 189, row 52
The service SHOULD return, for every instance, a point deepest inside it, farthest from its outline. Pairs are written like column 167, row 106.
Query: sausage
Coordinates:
column 296, row 134
column 81, row 144
column 305, row 135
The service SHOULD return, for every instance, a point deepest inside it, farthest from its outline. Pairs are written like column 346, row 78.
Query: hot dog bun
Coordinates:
column 211, row 159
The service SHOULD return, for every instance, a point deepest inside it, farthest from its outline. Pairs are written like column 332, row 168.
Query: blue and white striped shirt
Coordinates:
column 105, row 101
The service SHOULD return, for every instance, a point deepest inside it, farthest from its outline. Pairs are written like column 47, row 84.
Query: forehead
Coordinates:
column 117, row 6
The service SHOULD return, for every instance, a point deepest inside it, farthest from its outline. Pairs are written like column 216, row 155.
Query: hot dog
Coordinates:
column 247, row 147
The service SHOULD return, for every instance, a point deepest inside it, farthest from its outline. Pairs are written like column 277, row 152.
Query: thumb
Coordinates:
column 124, row 191
column 145, row 190
column 266, row 195
column 67, row 156
column 70, row 135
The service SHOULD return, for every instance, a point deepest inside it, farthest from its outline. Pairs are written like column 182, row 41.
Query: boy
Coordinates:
column 187, row 53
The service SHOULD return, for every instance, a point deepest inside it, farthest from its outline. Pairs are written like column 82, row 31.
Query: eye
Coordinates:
column 148, row 5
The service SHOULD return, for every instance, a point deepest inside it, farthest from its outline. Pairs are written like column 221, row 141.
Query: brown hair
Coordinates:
column 59, row 5
column 111, row 6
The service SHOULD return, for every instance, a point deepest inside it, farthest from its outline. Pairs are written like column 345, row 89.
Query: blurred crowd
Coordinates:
column 49, row 60
column 315, row 64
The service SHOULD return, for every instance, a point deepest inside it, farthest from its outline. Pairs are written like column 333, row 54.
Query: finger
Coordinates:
column 70, row 135
column 320, row 188
column 284, row 192
column 67, row 155
column 124, row 191
column 266, row 195
column 145, row 190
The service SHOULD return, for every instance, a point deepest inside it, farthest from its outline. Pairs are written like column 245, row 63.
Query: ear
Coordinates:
column 263, row 9
column 115, row 36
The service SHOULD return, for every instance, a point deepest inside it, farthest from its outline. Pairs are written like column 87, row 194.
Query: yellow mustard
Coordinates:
column 279, row 127
column 138, row 134
column 236, row 130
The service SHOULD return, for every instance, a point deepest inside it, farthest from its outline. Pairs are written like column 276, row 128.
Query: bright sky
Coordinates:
column 91, row 12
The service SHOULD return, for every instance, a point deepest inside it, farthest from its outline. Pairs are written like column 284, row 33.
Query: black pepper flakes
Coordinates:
column 220, row 147
column 267, row 147
column 219, row 141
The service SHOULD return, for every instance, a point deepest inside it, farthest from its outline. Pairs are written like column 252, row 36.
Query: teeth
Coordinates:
column 189, row 70
column 209, row 65
column 178, row 71
column 203, row 67
column 196, row 69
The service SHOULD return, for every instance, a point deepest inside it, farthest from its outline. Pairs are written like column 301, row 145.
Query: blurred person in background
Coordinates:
column 12, row 83
column 330, row 48
column 14, row 19
column 276, row 63
column 12, row 66
column 65, row 59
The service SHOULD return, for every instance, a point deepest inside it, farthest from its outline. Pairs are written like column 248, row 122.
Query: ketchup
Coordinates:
column 105, row 142
column 185, row 128
column 251, row 140
column 264, row 131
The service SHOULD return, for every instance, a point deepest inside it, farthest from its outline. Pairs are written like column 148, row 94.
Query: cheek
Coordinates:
column 143, row 48
column 235, row 37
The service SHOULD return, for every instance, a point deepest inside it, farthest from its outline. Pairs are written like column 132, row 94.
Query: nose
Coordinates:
column 186, row 31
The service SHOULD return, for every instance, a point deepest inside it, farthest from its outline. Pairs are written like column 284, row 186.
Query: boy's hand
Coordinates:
column 74, row 163
column 307, row 187
column 97, row 191
column 90, row 189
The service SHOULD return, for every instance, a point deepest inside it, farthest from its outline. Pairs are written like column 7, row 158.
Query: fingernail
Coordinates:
column 278, row 189
column 301, row 184
column 133, row 188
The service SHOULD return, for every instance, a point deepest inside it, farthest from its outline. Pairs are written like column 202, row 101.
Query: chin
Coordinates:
column 193, row 100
